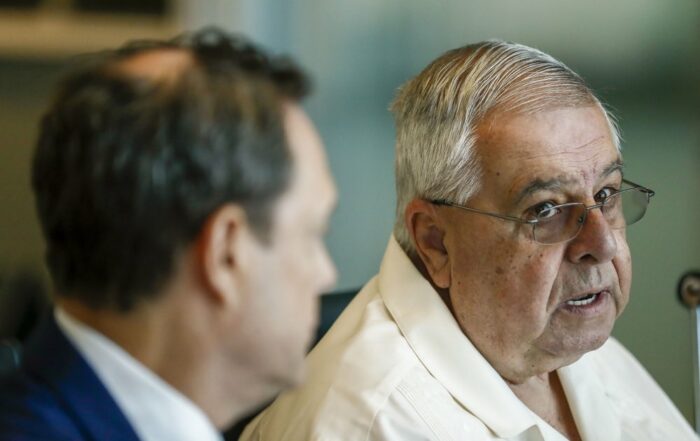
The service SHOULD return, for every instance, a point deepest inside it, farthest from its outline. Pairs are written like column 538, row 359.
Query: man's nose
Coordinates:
column 596, row 242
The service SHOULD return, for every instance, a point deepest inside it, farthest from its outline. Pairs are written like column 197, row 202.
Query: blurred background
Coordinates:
column 641, row 56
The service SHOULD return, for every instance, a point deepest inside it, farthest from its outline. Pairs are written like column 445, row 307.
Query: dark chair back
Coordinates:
column 10, row 356
column 331, row 307
column 23, row 301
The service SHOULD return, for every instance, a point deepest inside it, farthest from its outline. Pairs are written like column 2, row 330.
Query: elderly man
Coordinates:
column 492, row 310
column 177, row 184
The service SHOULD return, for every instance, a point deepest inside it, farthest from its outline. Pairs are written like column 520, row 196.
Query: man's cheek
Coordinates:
column 623, row 262
column 540, row 271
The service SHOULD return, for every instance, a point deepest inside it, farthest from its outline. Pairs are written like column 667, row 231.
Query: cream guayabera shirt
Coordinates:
column 396, row 367
column 156, row 411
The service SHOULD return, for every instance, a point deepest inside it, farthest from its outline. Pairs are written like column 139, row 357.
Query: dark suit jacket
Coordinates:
column 55, row 395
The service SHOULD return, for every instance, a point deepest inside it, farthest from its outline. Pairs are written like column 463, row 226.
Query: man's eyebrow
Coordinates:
column 549, row 184
column 616, row 165
column 540, row 185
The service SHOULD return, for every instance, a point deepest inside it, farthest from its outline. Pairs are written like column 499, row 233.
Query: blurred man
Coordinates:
column 491, row 313
column 183, row 195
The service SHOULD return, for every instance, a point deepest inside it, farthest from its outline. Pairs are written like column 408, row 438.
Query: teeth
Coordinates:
column 583, row 301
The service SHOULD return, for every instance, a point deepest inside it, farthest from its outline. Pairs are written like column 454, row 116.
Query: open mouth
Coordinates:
column 583, row 301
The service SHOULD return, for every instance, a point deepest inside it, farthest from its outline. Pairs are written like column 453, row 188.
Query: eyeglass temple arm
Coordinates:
column 646, row 190
column 649, row 192
column 487, row 213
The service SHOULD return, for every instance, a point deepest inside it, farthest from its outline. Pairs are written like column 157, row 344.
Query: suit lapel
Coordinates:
column 51, row 357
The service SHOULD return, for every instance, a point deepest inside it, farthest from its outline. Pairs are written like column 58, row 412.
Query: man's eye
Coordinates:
column 605, row 193
column 545, row 210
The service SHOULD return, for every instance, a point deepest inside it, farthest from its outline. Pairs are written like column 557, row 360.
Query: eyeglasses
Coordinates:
column 561, row 223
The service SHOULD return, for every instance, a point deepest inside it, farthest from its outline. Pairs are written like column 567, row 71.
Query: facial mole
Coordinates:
column 499, row 270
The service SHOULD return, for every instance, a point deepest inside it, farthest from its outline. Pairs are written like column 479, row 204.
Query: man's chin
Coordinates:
column 296, row 376
column 564, row 348
column 572, row 349
column 572, row 337
column 291, row 376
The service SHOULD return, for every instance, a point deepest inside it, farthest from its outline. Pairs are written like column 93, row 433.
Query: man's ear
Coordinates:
column 219, row 251
column 427, row 233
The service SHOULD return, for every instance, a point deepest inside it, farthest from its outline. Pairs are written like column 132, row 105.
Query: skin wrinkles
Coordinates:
column 525, row 155
column 559, row 183
column 569, row 183
column 507, row 291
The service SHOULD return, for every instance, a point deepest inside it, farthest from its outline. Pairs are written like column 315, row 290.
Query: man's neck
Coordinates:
column 185, row 351
column 154, row 336
column 544, row 395
column 139, row 332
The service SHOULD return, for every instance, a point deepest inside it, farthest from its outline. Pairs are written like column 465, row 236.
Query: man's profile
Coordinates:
column 491, row 314
column 183, row 194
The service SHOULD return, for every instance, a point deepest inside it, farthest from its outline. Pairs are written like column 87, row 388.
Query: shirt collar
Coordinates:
column 155, row 409
column 438, row 341
column 442, row 347
column 588, row 401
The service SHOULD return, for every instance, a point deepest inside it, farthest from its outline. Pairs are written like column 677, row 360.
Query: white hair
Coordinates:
column 438, row 111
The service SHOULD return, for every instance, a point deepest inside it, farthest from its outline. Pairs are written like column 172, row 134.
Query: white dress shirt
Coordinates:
column 396, row 366
column 156, row 410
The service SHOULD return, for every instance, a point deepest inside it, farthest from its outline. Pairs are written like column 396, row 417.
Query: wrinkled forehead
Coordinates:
column 568, row 146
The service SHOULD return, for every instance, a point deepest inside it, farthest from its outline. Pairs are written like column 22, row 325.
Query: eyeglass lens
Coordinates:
column 621, row 209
